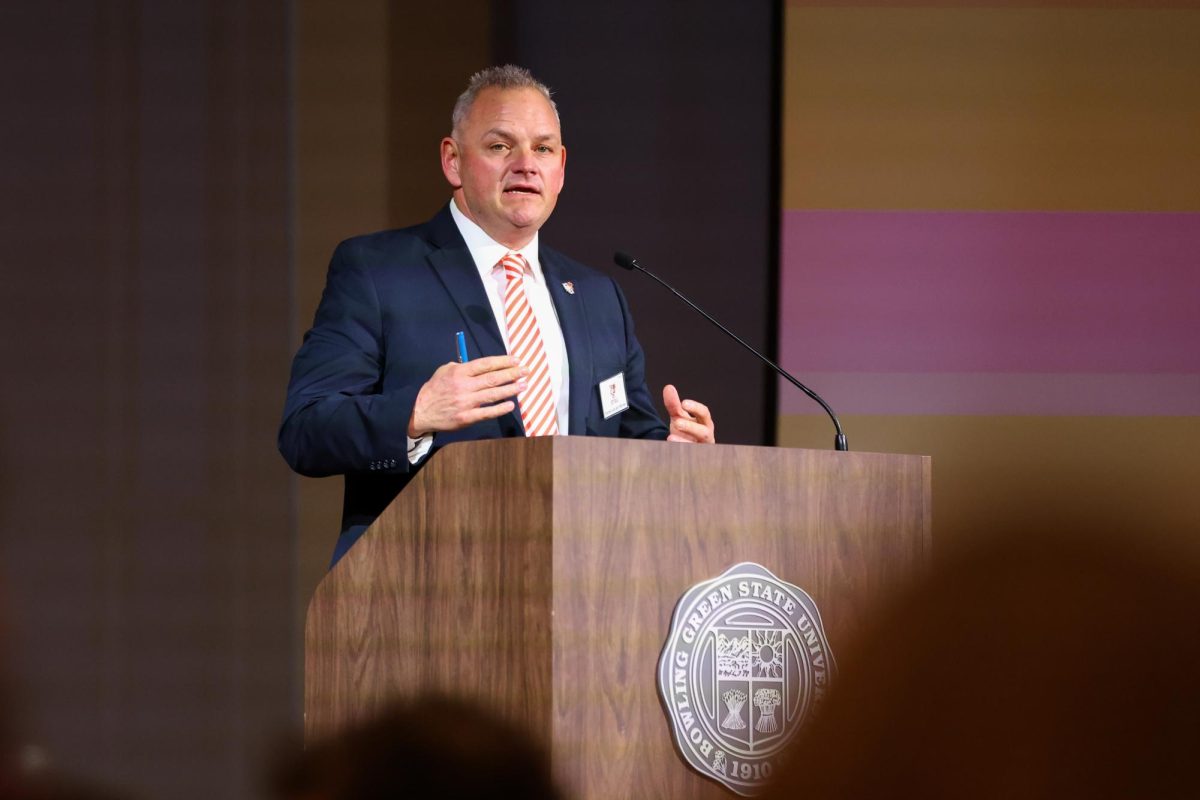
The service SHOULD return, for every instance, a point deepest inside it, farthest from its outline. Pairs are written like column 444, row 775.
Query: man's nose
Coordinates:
column 524, row 162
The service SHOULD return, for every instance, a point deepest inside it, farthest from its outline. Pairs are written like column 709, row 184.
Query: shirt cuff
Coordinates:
column 419, row 448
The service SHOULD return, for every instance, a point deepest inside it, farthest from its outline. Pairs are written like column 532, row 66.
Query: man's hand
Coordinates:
column 690, row 421
column 458, row 395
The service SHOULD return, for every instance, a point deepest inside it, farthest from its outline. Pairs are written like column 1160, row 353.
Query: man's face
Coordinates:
column 507, row 163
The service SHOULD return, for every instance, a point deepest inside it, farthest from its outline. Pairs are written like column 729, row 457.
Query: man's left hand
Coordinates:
column 690, row 421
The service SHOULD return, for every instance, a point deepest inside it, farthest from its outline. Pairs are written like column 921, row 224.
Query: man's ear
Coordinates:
column 450, row 162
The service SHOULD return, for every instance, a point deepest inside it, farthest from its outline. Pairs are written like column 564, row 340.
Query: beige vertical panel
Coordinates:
column 1089, row 4
column 1005, row 474
column 341, row 171
column 992, row 108
column 374, row 85
column 341, row 88
column 432, row 55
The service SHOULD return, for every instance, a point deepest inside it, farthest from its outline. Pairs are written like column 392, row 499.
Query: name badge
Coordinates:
column 612, row 395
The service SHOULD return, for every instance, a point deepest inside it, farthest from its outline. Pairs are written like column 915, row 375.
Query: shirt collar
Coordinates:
column 486, row 252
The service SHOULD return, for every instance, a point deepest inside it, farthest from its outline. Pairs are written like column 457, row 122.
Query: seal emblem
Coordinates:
column 745, row 664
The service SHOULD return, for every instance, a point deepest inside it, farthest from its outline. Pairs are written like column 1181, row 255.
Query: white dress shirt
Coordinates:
column 486, row 253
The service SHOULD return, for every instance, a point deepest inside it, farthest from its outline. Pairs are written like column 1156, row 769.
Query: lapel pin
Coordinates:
column 569, row 286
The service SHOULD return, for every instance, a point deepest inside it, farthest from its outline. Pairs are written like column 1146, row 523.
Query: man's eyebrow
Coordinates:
column 505, row 133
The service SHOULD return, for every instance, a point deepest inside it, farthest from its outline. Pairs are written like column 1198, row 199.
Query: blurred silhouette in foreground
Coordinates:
column 435, row 747
column 1039, row 667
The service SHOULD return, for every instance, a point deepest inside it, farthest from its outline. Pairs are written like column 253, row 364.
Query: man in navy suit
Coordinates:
column 377, row 386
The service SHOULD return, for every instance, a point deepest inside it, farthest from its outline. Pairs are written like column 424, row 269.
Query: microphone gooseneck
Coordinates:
column 626, row 261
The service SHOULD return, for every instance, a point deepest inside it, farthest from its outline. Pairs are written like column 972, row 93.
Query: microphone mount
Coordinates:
column 626, row 261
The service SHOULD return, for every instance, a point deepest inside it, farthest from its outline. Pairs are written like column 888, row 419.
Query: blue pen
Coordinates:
column 461, row 340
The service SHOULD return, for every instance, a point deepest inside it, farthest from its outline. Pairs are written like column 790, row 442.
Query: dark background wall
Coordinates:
column 175, row 176
column 668, row 121
column 146, row 559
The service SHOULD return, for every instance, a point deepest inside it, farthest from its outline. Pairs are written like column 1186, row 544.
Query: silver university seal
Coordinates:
column 745, row 664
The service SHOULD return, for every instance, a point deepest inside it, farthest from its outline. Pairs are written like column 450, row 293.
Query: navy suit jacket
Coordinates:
column 391, row 306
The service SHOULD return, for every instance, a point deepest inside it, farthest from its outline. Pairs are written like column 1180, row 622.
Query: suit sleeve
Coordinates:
column 336, row 419
column 641, row 420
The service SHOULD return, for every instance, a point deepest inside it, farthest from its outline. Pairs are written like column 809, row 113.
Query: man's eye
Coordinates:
column 498, row 146
column 545, row 148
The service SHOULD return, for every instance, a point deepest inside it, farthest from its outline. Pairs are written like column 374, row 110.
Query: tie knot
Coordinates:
column 514, row 265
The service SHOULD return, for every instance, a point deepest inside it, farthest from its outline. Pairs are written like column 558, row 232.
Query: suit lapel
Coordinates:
column 572, row 317
column 454, row 266
column 452, row 262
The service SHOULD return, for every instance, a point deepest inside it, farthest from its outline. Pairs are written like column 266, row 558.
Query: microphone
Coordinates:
column 626, row 261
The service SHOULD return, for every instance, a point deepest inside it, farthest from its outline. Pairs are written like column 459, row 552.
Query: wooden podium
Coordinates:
column 539, row 576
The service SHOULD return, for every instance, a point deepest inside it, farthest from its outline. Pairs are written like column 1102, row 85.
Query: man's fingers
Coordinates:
column 458, row 395
column 691, row 423
column 489, row 364
column 474, row 415
column 671, row 401
column 500, row 377
column 497, row 393
column 694, row 431
column 699, row 411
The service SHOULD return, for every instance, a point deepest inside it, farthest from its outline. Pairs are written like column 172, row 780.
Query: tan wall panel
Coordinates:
column 1004, row 474
column 428, row 71
column 374, row 85
column 1093, row 4
column 341, row 86
column 995, row 109
column 341, row 170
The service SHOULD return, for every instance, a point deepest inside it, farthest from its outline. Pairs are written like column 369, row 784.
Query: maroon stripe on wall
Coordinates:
column 990, row 292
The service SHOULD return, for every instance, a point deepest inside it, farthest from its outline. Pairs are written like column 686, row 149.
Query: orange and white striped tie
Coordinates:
column 539, row 411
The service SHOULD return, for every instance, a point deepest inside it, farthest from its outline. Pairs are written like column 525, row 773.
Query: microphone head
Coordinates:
column 624, row 260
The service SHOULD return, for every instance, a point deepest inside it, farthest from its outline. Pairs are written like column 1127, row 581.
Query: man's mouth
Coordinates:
column 521, row 189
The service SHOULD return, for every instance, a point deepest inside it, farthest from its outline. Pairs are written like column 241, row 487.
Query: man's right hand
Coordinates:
column 458, row 395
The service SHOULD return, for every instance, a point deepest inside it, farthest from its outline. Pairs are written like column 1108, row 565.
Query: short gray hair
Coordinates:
column 509, row 76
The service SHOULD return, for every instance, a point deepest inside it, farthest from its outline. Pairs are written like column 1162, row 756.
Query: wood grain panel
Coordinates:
column 448, row 591
column 638, row 523
column 540, row 576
